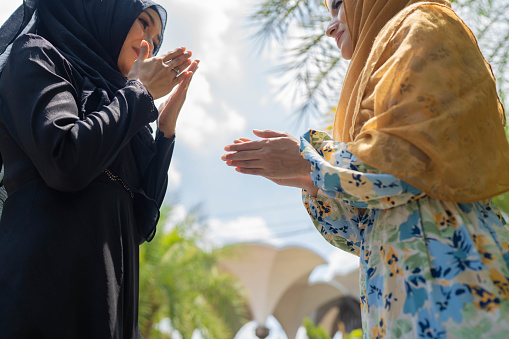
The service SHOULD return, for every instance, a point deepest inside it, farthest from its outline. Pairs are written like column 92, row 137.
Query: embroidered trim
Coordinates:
column 114, row 177
column 138, row 83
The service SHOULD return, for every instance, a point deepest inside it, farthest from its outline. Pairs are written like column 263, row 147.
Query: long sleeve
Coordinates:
column 341, row 176
column 44, row 118
column 347, row 184
column 155, row 179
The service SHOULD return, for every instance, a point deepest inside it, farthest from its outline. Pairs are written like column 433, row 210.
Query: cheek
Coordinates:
column 342, row 16
column 347, row 48
column 125, row 60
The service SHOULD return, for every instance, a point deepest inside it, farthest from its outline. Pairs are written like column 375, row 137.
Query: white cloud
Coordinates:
column 177, row 215
column 243, row 229
column 213, row 22
column 174, row 176
column 203, row 123
column 340, row 262
column 207, row 120
column 284, row 91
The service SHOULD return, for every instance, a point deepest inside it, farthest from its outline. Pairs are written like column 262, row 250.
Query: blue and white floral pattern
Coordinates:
column 429, row 268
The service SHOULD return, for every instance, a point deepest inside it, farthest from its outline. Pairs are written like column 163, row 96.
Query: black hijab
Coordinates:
column 90, row 35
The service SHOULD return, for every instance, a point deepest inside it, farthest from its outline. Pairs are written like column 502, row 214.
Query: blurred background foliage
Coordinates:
column 181, row 286
column 313, row 331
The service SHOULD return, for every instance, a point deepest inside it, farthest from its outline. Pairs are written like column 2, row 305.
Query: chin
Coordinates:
column 346, row 55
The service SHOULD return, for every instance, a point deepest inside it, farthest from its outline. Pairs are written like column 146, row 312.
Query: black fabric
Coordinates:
column 21, row 21
column 84, row 176
column 90, row 34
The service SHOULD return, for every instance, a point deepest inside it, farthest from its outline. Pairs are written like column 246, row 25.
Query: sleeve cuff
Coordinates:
column 154, row 113
column 160, row 138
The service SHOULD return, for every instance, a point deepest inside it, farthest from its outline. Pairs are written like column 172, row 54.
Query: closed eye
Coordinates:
column 144, row 23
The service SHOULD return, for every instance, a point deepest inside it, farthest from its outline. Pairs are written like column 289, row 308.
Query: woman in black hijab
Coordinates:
column 84, row 176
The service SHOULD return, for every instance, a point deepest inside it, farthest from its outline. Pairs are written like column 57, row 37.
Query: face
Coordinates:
column 147, row 27
column 338, row 29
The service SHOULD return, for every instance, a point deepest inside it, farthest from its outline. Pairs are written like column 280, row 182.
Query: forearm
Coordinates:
column 155, row 178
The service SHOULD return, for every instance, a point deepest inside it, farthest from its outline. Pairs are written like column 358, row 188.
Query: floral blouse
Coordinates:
column 429, row 268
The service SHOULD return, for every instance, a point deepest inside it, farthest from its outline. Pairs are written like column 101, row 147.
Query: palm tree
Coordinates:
column 312, row 63
column 180, row 281
column 315, row 64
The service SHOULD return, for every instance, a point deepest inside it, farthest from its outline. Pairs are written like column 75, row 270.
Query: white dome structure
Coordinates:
column 277, row 283
column 301, row 300
column 268, row 272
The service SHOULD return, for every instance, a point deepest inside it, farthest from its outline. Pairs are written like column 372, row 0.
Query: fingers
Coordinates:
column 245, row 164
column 184, row 77
column 268, row 134
column 182, row 67
column 183, row 80
column 246, row 146
column 194, row 66
column 144, row 51
column 242, row 155
column 241, row 140
column 173, row 54
column 179, row 61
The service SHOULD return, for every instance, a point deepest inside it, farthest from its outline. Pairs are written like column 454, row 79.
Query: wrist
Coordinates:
column 307, row 185
column 312, row 190
column 168, row 133
column 168, row 128
column 305, row 168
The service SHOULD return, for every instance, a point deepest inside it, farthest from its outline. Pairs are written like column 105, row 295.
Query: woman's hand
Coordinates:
column 159, row 74
column 170, row 109
column 276, row 156
column 303, row 182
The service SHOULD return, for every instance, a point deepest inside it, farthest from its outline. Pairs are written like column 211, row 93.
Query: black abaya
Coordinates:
column 85, row 180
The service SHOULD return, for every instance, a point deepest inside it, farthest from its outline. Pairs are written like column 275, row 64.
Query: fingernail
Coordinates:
column 227, row 148
column 229, row 162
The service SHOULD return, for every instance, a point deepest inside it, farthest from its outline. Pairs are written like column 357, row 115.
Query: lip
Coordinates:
column 137, row 51
column 339, row 35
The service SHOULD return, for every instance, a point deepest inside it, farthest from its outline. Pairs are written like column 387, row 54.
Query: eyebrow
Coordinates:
column 150, row 16
column 153, row 24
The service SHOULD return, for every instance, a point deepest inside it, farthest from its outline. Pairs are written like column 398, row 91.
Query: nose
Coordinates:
column 332, row 28
column 151, row 48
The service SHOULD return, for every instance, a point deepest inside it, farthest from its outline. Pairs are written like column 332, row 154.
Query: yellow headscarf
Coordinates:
column 419, row 101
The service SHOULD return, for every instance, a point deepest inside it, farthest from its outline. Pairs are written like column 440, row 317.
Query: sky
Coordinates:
column 233, row 92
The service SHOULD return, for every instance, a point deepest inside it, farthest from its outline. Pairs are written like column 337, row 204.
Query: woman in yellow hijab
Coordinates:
column 418, row 151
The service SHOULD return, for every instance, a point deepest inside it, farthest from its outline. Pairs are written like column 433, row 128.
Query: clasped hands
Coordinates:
column 276, row 157
column 160, row 75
